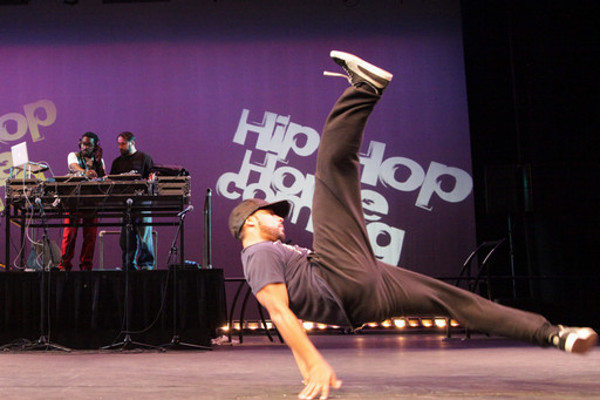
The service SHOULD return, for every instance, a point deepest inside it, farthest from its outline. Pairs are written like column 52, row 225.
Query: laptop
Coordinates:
column 19, row 154
column 20, row 159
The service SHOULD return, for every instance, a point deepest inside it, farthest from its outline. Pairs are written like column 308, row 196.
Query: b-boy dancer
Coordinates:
column 341, row 282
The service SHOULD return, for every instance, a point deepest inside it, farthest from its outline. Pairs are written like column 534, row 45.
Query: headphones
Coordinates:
column 93, row 137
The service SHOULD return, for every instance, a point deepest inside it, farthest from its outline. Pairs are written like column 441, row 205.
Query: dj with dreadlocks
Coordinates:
column 86, row 162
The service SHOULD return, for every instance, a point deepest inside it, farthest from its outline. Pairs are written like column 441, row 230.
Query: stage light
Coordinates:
column 399, row 323
column 440, row 322
column 387, row 323
column 308, row 325
column 404, row 323
column 427, row 322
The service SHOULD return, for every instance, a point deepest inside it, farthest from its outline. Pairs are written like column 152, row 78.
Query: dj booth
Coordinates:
column 88, row 309
column 32, row 203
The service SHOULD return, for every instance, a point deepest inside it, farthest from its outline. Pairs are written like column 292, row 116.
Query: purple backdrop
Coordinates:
column 235, row 94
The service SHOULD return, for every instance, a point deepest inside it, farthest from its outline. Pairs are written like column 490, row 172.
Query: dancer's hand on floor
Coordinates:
column 320, row 378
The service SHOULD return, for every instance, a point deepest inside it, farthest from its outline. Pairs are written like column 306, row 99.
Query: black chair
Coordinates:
column 473, row 275
column 243, row 286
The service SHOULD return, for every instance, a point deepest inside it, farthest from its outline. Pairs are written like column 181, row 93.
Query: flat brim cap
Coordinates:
column 249, row 206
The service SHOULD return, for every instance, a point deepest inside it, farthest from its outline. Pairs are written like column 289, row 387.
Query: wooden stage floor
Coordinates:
column 372, row 366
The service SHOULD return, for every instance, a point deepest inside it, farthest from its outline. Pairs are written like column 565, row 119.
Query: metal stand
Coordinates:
column 43, row 343
column 127, row 343
column 208, row 230
column 513, row 272
column 176, row 343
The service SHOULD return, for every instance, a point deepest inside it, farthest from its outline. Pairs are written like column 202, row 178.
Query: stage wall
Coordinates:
column 234, row 92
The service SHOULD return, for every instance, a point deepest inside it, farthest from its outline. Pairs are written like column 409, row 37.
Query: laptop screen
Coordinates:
column 19, row 154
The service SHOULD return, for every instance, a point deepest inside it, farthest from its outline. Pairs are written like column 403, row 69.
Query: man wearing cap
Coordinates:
column 342, row 282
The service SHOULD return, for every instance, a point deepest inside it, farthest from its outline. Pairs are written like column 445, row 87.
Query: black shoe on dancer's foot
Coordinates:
column 359, row 71
column 574, row 340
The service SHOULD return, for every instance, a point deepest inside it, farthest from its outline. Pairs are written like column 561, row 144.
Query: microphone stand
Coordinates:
column 176, row 343
column 43, row 343
column 127, row 342
column 208, row 230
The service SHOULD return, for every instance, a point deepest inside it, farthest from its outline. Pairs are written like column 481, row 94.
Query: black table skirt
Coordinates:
column 86, row 308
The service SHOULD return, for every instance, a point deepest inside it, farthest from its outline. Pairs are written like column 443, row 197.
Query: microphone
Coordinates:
column 38, row 201
column 129, row 203
column 187, row 210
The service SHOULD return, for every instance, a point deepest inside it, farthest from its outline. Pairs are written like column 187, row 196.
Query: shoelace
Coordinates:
column 349, row 79
column 328, row 73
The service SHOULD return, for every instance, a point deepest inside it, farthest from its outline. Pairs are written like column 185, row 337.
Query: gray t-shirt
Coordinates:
column 310, row 298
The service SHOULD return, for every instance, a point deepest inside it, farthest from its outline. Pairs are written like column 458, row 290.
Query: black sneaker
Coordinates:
column 359, row 71
column 574, row 340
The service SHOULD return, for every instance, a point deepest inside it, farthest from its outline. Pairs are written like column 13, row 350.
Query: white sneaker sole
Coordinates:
column 356, row 63
column 585, row 339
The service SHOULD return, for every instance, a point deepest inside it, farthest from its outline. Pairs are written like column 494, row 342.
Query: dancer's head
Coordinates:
column 259, row 219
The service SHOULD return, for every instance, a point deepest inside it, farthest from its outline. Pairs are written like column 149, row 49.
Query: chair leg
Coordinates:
column 231, row 311
column 242, row 321
column 262, row 319
column 242, row 314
